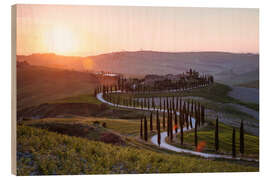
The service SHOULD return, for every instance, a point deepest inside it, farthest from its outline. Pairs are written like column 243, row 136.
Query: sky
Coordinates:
column 93, row 30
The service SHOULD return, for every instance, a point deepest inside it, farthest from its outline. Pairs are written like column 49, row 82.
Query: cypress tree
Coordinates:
column 168, row 123
column 180, row 104
column 171, row 127
column 160, row 103
column 184, row 112
column 242, row 137
column 151, row 121
column 216, row 136
column 167, row 102
column 192, row 108
column 203, row 114
column 199, row 112
column 158, row 129
column 164, row 106
column 177, row 99
column 141, row 128
column 173, row 107
column 145, row 129
column 195, row 134
column 157, row 118
column 187, row 115
column 163, row 120
column 181, row 129
column 233, row 143
column 175, row 121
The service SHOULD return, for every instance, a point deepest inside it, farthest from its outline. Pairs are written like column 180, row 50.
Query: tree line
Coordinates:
column 191, row 79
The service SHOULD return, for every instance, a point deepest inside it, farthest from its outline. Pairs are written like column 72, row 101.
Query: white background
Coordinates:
column 5, row 84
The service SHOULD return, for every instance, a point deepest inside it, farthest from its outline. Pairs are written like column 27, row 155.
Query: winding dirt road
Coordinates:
column 165, row 145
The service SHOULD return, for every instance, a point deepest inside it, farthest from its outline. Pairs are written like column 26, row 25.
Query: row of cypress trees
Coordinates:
column 241, row 138
column 173, row 103
column 181, row 121
column 176, row 120
column 186, row 111
column 144, row 127
column 137, row 87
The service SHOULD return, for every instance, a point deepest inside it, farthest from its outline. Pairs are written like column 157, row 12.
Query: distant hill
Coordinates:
column 54, row 61
column 229, row 68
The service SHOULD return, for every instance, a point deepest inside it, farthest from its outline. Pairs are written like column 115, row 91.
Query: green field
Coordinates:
column 206, row 134
column 82, row 98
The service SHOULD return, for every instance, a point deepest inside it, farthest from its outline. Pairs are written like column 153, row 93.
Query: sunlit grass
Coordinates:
column 84, row 98
column 206, row 134
column 42, row 152
column 122, row 126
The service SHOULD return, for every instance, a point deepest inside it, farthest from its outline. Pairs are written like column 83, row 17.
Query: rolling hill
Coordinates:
column 241, row 67
column 36, row 84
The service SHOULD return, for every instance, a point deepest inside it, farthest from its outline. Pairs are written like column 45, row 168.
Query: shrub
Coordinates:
column 111, row 138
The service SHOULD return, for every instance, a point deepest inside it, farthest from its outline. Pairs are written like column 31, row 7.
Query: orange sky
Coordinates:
column 91, row 30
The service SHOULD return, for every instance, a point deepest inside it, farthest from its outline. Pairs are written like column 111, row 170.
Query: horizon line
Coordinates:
column 123, row 51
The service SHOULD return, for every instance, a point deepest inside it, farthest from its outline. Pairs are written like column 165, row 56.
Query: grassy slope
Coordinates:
column 82, row 98
column 206, row 134
column 128, row 129
column 43, row 152
column 36, row 85
column 122, row 126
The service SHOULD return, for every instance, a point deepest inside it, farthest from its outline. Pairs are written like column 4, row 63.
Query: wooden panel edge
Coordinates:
column 13, row 90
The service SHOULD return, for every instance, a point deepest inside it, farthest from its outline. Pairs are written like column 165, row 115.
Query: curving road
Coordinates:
column 165, row 145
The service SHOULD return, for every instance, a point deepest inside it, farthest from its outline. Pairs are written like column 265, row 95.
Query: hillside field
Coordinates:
column 42, row 152
column 36, row 85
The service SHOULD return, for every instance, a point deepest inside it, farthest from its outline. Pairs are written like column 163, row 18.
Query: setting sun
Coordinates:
column 61, row 40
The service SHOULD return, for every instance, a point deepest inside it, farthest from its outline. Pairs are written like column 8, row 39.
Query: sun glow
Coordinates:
column 93, row 30
column 61, row 40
